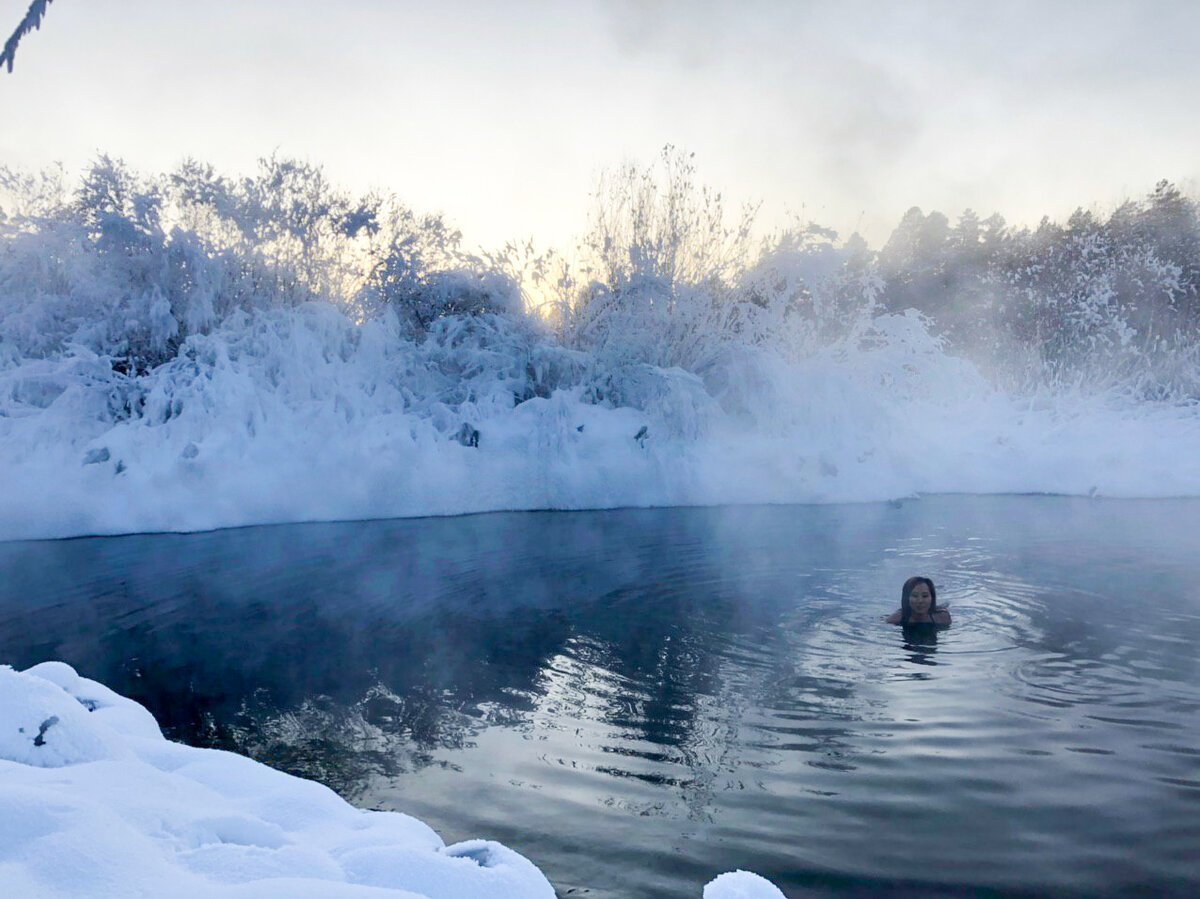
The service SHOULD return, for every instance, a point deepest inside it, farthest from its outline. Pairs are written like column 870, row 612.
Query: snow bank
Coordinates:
column 296, row 415
column 95, row 802
column 741, row 885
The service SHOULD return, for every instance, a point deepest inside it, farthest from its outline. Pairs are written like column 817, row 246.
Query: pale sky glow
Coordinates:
column 501, row 115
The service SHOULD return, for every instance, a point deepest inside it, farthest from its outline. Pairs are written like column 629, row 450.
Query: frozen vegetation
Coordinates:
column 193, row 351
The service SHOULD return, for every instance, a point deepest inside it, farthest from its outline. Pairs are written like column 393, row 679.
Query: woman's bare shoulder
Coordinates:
column 895, row 617
column 942, row 616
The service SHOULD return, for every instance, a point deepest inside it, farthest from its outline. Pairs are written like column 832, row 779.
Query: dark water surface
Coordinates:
column 638, row 700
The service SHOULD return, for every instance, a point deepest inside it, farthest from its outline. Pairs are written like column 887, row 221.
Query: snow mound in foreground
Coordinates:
column 95, row 802
column 742, row 885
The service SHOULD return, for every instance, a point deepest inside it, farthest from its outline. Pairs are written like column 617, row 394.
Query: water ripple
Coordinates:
column 688, row 691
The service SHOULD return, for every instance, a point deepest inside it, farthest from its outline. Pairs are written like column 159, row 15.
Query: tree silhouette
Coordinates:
column 32, row 20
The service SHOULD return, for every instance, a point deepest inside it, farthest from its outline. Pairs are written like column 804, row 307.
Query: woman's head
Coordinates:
column 919, row 597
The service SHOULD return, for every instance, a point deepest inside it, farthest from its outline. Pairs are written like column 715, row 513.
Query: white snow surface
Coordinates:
column 95, row 802
column 741, row 885
column 302, row 414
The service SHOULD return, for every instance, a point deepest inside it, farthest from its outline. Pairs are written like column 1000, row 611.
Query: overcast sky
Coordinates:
column 502, row 114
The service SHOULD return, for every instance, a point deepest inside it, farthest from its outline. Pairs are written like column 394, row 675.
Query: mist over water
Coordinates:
column 681, row 692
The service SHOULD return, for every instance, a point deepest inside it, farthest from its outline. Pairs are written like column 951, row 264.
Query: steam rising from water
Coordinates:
column 708, row 679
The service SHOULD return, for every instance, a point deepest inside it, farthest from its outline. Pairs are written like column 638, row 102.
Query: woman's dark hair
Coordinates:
column 906, row 594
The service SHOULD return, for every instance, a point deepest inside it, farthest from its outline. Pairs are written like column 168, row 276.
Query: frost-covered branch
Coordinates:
column 33, row 20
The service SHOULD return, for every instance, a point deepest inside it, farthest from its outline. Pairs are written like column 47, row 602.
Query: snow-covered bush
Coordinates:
column 129, row 266
column 669, row 294
column 808, row 294
column 1099, row 313
column 657, row 270
column 1103, row 304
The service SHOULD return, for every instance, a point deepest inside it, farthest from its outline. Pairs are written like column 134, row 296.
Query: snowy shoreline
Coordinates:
column 95, row 802
column 305, row 416
column 190, row 351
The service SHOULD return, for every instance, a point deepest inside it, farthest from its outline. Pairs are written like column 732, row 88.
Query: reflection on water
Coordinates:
column 681, row 692
column 920, row 640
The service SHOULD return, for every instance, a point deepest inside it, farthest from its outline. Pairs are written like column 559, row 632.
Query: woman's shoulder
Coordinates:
column 941, row 616
column 895, row 617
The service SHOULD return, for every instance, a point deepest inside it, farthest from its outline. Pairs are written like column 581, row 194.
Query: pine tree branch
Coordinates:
column 32, row 20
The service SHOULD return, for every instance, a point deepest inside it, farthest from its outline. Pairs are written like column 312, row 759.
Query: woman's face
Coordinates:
column 920, row 599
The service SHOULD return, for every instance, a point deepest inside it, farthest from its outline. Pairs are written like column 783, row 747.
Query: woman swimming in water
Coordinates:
column 918, row 604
